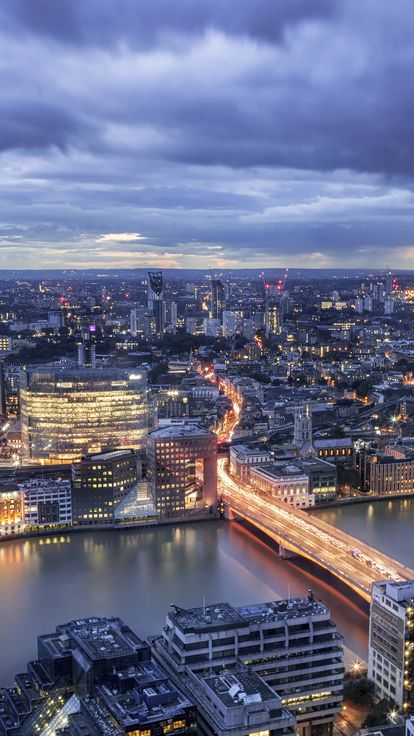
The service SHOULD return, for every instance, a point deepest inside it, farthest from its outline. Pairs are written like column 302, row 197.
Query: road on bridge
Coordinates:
column 348, row 558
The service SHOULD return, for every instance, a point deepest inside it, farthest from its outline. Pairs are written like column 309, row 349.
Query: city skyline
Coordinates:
column 258, row 136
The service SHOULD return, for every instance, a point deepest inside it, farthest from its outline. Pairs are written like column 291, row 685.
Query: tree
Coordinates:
column 379, row 715
column 359, row 690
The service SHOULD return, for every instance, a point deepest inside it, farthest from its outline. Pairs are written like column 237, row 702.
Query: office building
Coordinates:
column 230, row 323
column 182, row 468
column 133, row 322
column 284, row 481
column 100, row 482
column 86, row 344
column 47, row 503
column 391, row 642
column 387, row 472
column 5, row 344
column 69, row 412
column 293, row 645
column 156, row 303
column 218, row 300
column 273, row 320
column 243, row 459
column 211, row 327
column 238, row 703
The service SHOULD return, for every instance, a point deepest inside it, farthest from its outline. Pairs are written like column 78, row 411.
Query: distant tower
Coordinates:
column 156, row 300
column 302, row 430
column 86, row 344
column 133, row 322
column 218, row 299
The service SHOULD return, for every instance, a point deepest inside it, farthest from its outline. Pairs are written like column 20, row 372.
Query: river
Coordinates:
column 137, row 574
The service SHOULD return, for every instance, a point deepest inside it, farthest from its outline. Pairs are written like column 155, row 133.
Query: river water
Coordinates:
column 137, row 574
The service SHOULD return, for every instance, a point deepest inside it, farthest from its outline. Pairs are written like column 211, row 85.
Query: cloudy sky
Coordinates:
column 222, row 133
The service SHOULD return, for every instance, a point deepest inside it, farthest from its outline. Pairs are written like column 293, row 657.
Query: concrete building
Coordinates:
column 284, row 481
column 46, row 503
column 100, row 482
column 383, row 473
column 67, row 412
column 391, row 642
column 182, row 468
column 293, row 645
column 218, row 300
column 238, row 703
column 243, row 459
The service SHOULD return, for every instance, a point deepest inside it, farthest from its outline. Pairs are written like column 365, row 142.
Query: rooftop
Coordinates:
column 221, row 615
column 239, row 687
column 180, row 431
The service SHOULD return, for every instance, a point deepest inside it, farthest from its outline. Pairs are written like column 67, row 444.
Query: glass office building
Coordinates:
column 67, row 412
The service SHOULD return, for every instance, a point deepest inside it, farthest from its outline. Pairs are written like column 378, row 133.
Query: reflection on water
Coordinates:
column 137, row 575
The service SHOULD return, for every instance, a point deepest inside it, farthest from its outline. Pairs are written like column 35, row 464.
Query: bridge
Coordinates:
column 300, row 534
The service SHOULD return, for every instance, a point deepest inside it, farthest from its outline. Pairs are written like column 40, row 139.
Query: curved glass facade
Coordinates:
column 68, row 412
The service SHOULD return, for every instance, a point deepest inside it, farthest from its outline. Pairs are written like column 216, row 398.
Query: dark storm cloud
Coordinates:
column 271, row 128
column 142, row 22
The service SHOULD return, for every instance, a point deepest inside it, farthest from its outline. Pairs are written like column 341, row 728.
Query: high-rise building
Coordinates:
column 133, row 322
column 68, row 412
column 211, row 327
column 100, row 482
column 218, row 299
column 182, row 468
column 293, row 645
column 273, row 321
column 86, row 344
column 391, row 642
column 156, row 303
column 230, row 323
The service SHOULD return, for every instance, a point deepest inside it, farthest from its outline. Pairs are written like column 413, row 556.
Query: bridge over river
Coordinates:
column 298, row 533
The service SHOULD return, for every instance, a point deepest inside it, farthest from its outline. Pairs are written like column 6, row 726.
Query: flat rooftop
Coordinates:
column 239, row 687
column 281, row 470
column 222, row 615
column 180, row 431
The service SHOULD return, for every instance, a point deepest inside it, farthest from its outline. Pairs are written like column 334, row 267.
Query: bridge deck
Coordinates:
column 349, row 559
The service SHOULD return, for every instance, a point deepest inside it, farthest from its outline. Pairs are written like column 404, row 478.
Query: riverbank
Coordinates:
column 341, row 502
column 65, row 530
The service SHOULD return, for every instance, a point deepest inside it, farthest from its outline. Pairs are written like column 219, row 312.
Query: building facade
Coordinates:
column 100, row 482
column 244, row 459
column 182, row 468
column 391, row 642
column 293, row 645
column 69, row 412
column 46, row 503
column 284, row 481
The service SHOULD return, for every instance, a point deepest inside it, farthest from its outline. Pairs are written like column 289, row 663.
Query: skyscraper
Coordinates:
column 156, row 300
column 86, row 344
column 218, row 299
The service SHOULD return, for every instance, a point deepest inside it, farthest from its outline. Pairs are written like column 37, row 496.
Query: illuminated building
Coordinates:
column 243, row 459
column 46, row 503
column 86, row 345
column 218, row 300
column 11, row 512
column 284, row 481
column 391, row 642
column 5, row 344
column 182, row 468
column 334, row 450
column 69, row 412
column 100, row 482
column 292, row 644
column 273, row 322
column 156, row 303
column 391, row 471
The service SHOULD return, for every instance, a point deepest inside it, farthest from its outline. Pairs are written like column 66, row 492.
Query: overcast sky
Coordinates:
column 202, row 133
